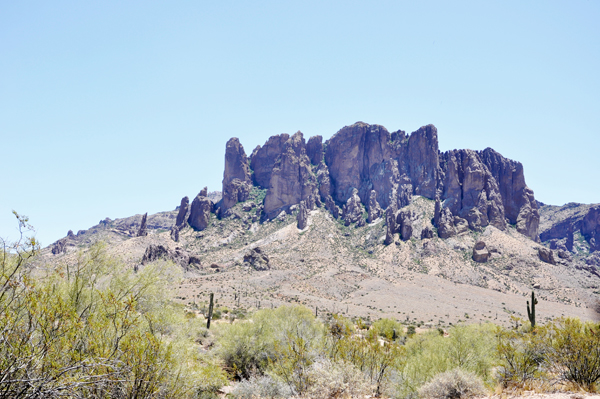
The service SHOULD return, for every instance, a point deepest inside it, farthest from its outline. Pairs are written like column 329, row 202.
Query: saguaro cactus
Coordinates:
column 210, row 311
column 531, row 312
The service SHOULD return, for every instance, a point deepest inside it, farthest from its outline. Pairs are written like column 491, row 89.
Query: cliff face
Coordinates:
column 368, row 165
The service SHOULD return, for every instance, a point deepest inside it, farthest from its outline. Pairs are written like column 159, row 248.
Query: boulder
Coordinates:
column 445, row 226
column 178, row 256
column 427, row 232
column 546, row 255
column 480, row 253
column 404, row 222
column 200, row 211
column 375, row 211
column 143, row 231
column 256, row 259
column 302, row 217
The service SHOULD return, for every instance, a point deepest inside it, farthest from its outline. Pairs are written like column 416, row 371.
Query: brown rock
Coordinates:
column 427, row 232
column 236, row 177
column 353, row 209
column 256, row 259
column 302, row 217
column 263, row 159
column 590, row 228
column 182, row 215
column 390, row 222
column 292, row 179
column 446, row 224
column 480, row 253
column 423, row 161
column 200, row 212
column 375, row 211
column 404, row 221
column 59, row 247
column 143, row 231
column 332, row 207
column 546, row 255
column 178, row 256
column 314, row 149
column 518, row 200
column 70, row 235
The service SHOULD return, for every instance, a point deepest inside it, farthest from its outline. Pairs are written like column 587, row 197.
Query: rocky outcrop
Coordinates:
column 404, row 224
column 353, row 210
column 390, row 224
column 256, row 259
column 546, row 255
column 314, row 149
column 237, row 180
column 263, row 159
column 520, row 206
column 375, row 211
column 143, row 231
column 177, row 256
column 590, row 228
column 478, row 188
column 70, row 235
column 59, row 247
column 200, row 211
column 480, row 253
column 427, row 232
column 292, row 179
column 182, row 216
column 302, row 217
column 332, row 207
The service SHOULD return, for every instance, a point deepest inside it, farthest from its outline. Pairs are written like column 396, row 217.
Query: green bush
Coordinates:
column 574, row 352
column 388, row 328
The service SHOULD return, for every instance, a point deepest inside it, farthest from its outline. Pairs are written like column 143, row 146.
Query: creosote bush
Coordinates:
column 453, row 384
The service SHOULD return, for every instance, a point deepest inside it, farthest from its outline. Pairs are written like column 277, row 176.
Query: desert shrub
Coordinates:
column 263, row 386
column 574, row 352
column 283, row 339
column 453, row 384
column 429, row 354
column 336, row 380
column 521, row 356
column 388, row 328
column 93, row 328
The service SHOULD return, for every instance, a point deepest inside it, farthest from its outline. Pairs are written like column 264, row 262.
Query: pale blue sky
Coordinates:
column 109, row 109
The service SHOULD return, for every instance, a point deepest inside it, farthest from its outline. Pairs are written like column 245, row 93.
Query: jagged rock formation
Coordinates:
column 182, row 216
column 559, row 225
column 474, row 188
column 237, row 180
column 404, row 223
column 143, row 231
column 256, row 259
column 292, row 179
column 200, row 211
column 375, row 211
column 70, row 235
column 178, row 256
column 427, row 232
column 302, row 217
column 480, row 253
column 59, row 247
column 353, row 210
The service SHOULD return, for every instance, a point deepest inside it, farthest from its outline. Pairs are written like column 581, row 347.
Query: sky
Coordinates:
column 117, row 108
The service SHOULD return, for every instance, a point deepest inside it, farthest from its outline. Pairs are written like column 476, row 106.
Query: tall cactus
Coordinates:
column 210, row 311
column 531, row 312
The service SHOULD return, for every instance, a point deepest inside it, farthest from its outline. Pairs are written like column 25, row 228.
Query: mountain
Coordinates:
column 369, row 223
